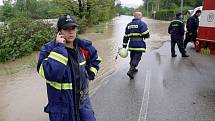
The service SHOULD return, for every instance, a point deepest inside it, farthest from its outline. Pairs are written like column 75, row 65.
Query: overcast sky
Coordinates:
column 129, row 3
column 1, row 2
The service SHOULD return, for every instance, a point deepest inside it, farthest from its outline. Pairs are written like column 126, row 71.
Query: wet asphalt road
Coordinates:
column 164, row 89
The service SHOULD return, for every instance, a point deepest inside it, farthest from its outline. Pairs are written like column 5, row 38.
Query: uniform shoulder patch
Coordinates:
column 133, row 26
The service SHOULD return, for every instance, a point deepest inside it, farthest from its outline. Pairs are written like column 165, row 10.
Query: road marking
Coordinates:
column 145, row 100
column 93, row 91
column 102, row 83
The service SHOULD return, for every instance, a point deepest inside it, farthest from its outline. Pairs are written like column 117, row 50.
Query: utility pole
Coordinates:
column 147, row 8
column 182, row 3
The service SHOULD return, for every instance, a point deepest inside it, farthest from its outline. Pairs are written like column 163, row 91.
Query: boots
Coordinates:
column 131, row 72
column 174, row 55
column 185, row 55
column 135, row 70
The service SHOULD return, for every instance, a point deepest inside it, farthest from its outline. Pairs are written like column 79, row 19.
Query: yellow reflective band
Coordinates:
column 175, row 25
column 133, row 34
column 146, row 32
column 132, row 26
column 125, row 43
column 41, row 71
column 58, row 57
column 60, row 86
column 126, row 35
column 99, row 58
column 94, row 70
column 82, row 63
column 137, row 49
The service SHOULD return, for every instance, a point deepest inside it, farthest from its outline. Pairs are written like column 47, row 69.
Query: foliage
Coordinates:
column 169, row 14
column 165, row 14
column 166, row 9
column 94, row 11
column 21, row 36
column 124, row 10
column 7, row 11
column 23, row 33
column 88, row 12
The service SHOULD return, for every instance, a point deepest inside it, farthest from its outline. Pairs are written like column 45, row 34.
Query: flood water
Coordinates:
column 23, row 92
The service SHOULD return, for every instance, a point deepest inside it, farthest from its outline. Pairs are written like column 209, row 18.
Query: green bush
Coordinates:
column 21, row 36
column 165, row 15
column 82, row 24
column 169, row 14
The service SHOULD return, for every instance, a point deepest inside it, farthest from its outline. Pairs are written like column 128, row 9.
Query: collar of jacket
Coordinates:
column 75, row 44
column 196, row 16
column 178, row 19
column 136, row 19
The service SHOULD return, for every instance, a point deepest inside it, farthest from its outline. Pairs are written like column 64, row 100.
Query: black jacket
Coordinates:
column 192, row 24
column 176, row 27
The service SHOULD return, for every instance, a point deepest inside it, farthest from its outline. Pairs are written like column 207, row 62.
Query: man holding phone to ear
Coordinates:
column 66, row 64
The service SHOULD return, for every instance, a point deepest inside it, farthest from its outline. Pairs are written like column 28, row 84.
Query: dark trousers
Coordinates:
column 177, row 39
column 135, row 58
column 190, row 38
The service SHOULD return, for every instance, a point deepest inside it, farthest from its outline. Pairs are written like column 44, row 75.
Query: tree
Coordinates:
column 31, row 6
column 7, row 10
column 199, row 3
column 20, row 5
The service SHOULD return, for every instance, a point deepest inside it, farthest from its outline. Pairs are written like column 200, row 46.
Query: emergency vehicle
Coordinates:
column 206, row 33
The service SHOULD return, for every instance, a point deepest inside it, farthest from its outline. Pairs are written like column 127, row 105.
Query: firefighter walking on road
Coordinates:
column 66, row 63
column 192, row 26
column 176, row 29
column 135, row 33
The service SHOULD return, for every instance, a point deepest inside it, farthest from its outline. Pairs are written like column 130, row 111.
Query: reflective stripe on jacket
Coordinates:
column 136, row 31
column 55, row 67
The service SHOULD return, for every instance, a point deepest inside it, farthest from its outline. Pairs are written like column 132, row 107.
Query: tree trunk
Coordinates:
column 80, row 4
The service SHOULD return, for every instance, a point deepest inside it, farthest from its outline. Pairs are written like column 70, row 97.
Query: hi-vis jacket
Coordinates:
column 136, row 31
column 67, row 83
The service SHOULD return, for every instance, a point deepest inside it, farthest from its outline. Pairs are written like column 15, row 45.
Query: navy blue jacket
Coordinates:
column 68, row 96
column 136, row 31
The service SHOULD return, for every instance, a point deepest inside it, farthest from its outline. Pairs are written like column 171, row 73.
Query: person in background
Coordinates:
column 66, row 63
column 135, row 33
column 176, row 29
column 192, row 27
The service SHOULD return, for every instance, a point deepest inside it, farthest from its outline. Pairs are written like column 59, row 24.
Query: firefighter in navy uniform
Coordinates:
column 135, row 33
column 176, row 29
column 66, row 64
column 192, row 26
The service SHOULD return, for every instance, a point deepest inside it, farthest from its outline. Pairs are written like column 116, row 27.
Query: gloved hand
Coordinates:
column 91, row 76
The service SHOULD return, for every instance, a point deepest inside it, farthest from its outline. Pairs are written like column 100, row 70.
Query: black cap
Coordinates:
column 65, row 22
